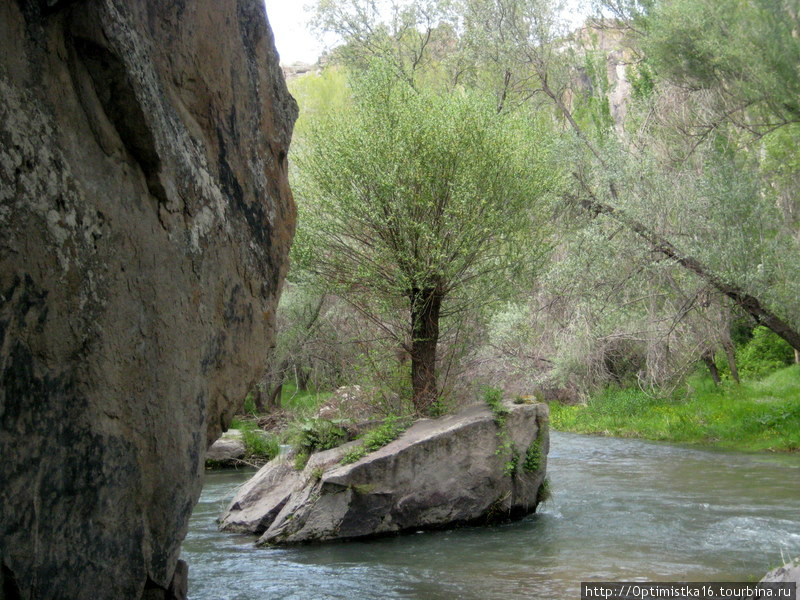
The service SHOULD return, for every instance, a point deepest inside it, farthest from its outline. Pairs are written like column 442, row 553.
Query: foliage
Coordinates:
column 259, row 444
column 545, row 491
column 494, row 400
column 420, row 202
column 505, row 446
column 376, row 438
column 312, row 434
column 533, row 457
column 756, row 415
column 764, row 353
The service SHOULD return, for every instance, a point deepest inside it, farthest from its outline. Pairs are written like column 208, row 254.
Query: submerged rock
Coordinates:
column 145, row 219
column 456, row 470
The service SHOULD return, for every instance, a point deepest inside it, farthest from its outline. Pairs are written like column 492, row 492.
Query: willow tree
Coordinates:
column 428, row 203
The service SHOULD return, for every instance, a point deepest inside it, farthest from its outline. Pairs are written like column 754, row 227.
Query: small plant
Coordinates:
column 544, row 492
column 250, row 404
column 300, row 461
column 494, row 400
column 316, row 473
column 310, row 435
column 376, row 438
column 533, row 457
column 510, row 466
column 438, row 408
column 355, row 454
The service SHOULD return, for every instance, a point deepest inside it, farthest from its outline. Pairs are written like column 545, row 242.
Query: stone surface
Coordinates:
column 787, row 573
column 440, row 473
column 227, row 449
column 145, row 218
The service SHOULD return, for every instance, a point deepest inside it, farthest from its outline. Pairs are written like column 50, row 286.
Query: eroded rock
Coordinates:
column 145, row 218
column 445, row 472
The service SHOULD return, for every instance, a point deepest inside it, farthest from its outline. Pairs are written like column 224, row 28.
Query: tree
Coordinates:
column 426, row 203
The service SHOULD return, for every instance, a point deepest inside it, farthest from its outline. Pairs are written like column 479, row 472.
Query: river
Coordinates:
column 620, row 510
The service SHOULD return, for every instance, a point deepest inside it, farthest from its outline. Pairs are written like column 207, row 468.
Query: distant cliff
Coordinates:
column 145, row 219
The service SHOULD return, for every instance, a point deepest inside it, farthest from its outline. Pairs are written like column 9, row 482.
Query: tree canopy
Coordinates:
column 422, row 202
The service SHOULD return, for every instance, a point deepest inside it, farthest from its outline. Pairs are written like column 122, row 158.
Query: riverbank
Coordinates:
column 751, row 416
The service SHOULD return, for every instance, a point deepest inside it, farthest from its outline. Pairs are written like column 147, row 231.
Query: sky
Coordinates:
column 295, row 42
column 292, row 37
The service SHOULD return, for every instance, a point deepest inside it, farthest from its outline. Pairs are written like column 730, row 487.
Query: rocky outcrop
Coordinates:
column 145, row 218
column 456, row 470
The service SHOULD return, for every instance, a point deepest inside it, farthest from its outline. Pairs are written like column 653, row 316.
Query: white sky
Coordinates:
column 295, row 42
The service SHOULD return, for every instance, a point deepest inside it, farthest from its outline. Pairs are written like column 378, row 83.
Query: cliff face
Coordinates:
column 145, row 218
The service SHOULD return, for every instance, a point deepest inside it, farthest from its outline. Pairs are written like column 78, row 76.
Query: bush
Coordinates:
column 310, row 435
column 764, row 353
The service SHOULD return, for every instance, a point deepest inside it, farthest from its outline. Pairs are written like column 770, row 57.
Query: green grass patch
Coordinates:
column 755, row 415
column 302, row 402
column 260, row 445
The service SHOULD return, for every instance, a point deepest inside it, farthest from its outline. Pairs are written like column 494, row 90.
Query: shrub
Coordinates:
column 764, row 353
column 310, row 435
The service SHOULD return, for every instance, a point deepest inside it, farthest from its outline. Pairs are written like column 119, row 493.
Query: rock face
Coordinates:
column 440, row 473
column 145, row 218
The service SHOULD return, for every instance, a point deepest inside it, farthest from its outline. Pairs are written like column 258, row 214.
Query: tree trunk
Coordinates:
column 750, row 304
column 708, row 358
column 425, row 306
column 730, row 352
column 275, row 397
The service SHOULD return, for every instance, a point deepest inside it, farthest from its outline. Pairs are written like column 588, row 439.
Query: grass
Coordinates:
column 258, row 444
column 388, row 431
column 755, row 415
column 302, row 402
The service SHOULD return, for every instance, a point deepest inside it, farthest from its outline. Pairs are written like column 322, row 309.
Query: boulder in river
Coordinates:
column 469, row 468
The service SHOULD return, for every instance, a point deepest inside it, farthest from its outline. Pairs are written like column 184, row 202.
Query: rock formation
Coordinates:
column 456, row 470
column 145, row 218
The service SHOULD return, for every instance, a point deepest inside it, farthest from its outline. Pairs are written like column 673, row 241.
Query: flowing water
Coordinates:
column 621, row 510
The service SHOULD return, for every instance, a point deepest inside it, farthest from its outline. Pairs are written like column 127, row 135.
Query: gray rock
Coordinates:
column 145, row 218
column 787, row 573
column 439, row 473
column 226, row 450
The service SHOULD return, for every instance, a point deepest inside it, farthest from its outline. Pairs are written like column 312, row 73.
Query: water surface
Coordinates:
column 621, row 510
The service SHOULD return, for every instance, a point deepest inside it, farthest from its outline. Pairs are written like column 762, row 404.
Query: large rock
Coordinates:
column 145, row 218
column 446, row 472
column 227, row 450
